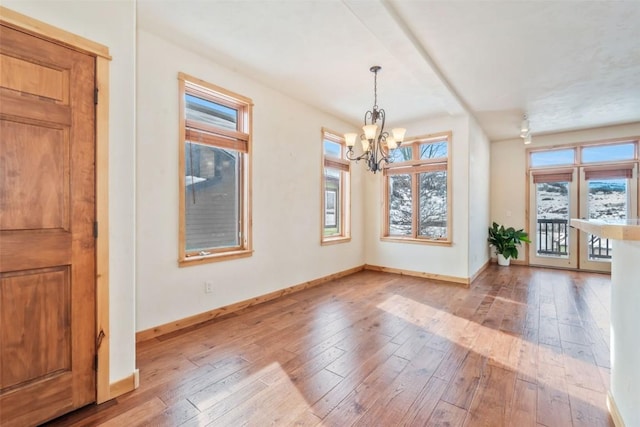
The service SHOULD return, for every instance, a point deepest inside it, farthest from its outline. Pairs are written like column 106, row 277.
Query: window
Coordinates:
column 553, row 157
column 608, row 153
column 336, row 190
column 215, row 149
column 417, row 203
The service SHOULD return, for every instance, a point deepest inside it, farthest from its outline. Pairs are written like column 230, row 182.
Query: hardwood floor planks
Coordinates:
column 463, row 387
column 426, row 401
column 333, row 398
column 523, row 405
column 447, row 415
column 363, row 397
column 137, row 416
column 553, row 408
column 396, row 399
column 492, row 402
column 521, row 347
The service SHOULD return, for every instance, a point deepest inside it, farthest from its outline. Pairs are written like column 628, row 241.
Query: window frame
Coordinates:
column 217, row 137
column 344, row 194
column 414, row 168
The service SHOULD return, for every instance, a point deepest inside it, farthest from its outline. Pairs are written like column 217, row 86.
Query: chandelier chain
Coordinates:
column 375, row 89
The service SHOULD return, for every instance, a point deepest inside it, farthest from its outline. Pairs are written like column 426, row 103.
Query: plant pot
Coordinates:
column 503, row 261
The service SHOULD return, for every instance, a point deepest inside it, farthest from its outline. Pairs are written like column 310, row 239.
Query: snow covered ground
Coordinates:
column 607, row 200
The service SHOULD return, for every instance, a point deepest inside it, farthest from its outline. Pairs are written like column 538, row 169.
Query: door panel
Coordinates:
column 608, row 194
column 34, row 79
column 30, row 300
column 47, row 247
column 553, row 201
column 34, row 167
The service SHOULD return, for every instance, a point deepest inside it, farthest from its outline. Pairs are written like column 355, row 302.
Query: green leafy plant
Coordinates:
column 506, row 240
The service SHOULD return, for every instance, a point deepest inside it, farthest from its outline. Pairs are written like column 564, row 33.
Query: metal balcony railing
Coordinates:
column 552, row 236
column 552, row 240
column 599, row 248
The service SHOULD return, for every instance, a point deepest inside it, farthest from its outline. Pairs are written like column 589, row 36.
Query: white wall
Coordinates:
column 509, row 169
column 479, row 197
column 286, row 193
column 434, row 259
column 625, row 336
column 113, row 25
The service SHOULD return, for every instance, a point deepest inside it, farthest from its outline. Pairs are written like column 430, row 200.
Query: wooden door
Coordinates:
column 47, row 214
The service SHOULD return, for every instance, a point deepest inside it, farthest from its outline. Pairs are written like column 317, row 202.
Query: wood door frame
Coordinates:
column 56, row 35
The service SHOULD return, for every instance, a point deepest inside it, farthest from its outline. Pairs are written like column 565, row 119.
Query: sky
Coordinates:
column 598, row 153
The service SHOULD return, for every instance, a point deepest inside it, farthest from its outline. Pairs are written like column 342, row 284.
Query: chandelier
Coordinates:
column 377, row 144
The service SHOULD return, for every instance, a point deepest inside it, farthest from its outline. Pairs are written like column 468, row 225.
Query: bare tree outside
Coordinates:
column 432, row 194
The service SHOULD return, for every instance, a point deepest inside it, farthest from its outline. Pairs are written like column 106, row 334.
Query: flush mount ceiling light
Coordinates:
column 525, row 130
column 377, row 144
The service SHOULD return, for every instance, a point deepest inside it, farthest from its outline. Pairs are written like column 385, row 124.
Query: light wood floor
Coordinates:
column 522, row 347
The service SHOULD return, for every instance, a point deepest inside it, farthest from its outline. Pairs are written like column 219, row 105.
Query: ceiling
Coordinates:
column 568, row 65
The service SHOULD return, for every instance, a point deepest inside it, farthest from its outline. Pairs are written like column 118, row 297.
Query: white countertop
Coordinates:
column 627, row 229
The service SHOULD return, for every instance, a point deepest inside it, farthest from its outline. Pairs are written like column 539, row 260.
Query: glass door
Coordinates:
column 606, row 193
column 553, row 202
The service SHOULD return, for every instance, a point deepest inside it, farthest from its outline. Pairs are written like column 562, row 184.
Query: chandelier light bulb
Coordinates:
column 392, row 144
column 527, row 139
column 398, row 134
column 350, row 139
column 370, row 131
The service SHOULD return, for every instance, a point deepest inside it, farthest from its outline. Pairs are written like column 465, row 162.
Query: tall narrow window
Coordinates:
column 215, row 149
column 418, row 191
column 336, row 190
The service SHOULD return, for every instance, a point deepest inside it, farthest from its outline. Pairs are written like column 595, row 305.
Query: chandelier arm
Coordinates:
column 382, row 115
column 350, row 153
column 368, row 114
column 383, row 148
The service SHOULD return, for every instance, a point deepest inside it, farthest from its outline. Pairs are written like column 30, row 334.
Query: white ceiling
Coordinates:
column 568, row 65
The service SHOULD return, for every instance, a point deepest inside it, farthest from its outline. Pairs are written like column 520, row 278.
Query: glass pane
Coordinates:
column 608, row 153
column 552, row 234
column 332, row 149
column 212, row 201
column 607, row 200
column 400, row 205
column 432, row 222
column 211, row 113
column 434, row 150
column 553, row 157
column 332, row 208
column 401, row 154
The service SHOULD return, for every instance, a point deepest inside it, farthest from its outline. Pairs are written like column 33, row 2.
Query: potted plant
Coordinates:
column 506, row 242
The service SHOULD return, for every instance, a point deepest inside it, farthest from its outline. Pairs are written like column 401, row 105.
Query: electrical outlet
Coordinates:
column 208, row 287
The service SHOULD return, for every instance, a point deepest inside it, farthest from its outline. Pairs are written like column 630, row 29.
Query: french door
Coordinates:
column 606, row 192
column 553, row 202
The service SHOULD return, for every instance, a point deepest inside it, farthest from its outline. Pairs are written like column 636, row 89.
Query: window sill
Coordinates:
column 224, row 256
column 413, row 240
column 334, row 240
